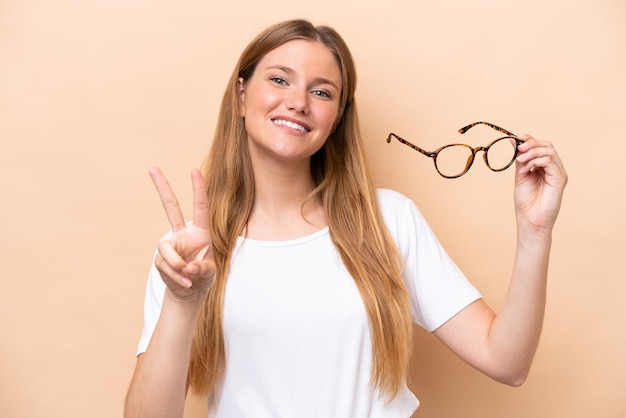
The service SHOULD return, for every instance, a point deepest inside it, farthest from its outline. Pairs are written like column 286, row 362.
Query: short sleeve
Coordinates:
column 438, row 289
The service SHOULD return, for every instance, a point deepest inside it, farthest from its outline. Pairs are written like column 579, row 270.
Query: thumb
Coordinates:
column 203, row 270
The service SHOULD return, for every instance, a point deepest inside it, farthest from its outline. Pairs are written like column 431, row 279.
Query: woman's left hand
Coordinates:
column 539, row 183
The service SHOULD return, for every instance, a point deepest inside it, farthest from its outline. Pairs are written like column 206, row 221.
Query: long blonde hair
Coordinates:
column 346, row 189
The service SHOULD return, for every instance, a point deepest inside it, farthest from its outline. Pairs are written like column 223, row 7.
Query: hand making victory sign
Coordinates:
column 185, row 261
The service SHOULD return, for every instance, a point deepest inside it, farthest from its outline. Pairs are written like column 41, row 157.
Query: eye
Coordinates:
column 321, row 93
column 279, row 80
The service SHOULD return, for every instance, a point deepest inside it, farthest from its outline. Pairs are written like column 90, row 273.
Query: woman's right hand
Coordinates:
column 185, row 261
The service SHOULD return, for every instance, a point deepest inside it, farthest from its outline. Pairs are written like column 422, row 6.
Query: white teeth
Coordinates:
column 291, row 125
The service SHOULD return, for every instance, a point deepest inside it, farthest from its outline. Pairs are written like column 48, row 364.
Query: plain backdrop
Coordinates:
column 93, row 93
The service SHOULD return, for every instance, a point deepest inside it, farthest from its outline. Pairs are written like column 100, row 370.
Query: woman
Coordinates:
column 294, row 289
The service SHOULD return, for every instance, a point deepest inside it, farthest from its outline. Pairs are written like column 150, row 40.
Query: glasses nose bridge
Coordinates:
column 484, row 150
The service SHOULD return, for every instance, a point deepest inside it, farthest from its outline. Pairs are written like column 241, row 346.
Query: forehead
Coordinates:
column 310, row 58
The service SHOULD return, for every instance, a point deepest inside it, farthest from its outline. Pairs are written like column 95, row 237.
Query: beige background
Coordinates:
column 92, row 93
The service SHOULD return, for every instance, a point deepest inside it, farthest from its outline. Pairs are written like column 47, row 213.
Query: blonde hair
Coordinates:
column 346, row 189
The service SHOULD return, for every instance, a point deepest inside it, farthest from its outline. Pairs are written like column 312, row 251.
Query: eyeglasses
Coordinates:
column 454, row 160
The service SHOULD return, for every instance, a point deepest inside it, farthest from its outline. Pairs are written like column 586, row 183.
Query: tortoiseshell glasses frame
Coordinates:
column 510, row 136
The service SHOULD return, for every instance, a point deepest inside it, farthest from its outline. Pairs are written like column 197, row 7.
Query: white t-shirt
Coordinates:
column 296, row 332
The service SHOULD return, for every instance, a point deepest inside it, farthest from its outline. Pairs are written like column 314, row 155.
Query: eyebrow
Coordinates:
column 317, row 80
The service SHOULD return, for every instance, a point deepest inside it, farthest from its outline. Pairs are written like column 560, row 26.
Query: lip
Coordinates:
column 291, row 120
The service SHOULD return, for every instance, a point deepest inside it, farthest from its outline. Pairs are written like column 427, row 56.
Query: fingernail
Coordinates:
column 187, row 283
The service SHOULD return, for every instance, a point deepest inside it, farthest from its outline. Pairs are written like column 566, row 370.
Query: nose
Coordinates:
column 298, row 100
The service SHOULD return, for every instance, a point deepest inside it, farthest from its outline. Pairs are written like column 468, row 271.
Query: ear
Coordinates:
column 241, row 90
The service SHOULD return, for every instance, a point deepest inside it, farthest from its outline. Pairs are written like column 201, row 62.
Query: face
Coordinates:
column 291, row 101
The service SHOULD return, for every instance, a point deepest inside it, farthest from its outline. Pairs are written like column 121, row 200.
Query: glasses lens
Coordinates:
column 501, row 153
column 452, row 160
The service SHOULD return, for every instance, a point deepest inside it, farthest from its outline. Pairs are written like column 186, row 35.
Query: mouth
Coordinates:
column 292, row 125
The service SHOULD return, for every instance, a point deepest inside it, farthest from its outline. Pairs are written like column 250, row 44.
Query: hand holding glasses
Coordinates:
column 454, row 160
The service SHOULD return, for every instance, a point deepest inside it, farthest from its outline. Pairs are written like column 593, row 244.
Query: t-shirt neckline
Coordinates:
column 284, row 243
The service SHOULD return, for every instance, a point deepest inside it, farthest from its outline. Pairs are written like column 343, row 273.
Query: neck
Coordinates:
column 279, row 211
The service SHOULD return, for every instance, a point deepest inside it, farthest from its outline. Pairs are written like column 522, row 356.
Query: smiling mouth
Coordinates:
column 291, row 125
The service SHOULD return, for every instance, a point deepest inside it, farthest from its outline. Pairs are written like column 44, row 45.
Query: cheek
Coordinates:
column 330, row 117
column 261, row 103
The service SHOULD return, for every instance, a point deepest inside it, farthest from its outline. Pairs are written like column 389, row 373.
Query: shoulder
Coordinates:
column 391, row 197
column 393, row 203
column 399, row 211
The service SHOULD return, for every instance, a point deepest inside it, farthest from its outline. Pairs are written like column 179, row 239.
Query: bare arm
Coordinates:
column 503, row 345
column 159, row 384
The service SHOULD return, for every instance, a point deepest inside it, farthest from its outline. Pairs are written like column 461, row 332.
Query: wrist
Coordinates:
column 532, row 231
column 535, row 240
column 188, row 300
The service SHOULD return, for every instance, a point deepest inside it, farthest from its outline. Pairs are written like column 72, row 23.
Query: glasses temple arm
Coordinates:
column 491, row 125
column 407, row 143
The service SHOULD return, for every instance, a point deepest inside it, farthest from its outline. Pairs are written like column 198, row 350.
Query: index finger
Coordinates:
column 168, row 199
